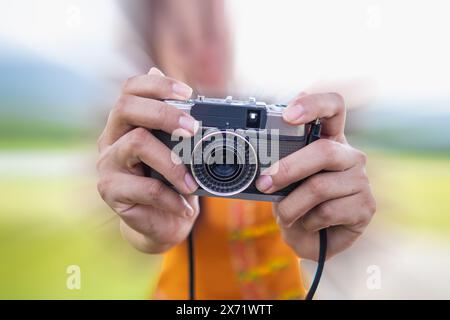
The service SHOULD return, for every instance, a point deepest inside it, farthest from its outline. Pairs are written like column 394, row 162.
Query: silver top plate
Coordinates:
column 274, row 112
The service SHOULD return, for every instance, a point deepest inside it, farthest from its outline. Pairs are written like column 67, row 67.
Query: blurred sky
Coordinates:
column 283, row 45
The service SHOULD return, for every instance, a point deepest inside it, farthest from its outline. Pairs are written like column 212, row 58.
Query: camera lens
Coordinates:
column 223, row 171
column 224, row 163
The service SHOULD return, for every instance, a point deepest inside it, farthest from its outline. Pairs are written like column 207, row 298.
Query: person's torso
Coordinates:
column 239, row 254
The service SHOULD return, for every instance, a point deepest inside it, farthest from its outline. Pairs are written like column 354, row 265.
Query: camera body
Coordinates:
column 236, row 141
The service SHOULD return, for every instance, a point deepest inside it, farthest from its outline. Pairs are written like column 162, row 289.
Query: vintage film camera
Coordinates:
column 236, row 141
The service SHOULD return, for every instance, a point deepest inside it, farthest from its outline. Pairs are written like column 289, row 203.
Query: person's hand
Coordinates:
column 335, row 193
column 153, row 216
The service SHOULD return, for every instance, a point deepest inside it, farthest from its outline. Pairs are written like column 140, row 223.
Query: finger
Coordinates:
column 140, row 145
column 340, row 238
column 132, row 111
column 354, row 211
column 321, row 155
column 158, row 225
column 317, row 189
column 306, row 243
column 156, row 86
column 140, row 241
column 329, row 107
column 122, row 191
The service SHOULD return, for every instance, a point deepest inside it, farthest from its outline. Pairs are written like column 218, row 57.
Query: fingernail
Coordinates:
column 278, row 220
column 190, row 183
column 156, row 71
column 264, row 183
column 189, row 210
column 293, row 113
column 182, row 90
column 189, row 124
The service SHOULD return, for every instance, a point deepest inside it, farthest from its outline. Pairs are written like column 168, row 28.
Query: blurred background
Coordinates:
column 61, row 65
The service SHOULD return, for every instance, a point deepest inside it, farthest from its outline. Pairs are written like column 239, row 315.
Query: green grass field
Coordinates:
column 49, row 223
column 412, row 190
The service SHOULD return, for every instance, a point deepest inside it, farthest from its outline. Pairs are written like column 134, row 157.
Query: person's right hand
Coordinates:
column 153, row 216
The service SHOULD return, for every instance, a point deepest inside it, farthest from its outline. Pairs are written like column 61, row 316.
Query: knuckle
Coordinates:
column 102, row 159
column 328, row 148
column 121, row 108
column 371, row 205
column 125, row 101
column 137, row 138
column 361, row 157
column 369, row 209
column 128, row 84
column 339, row 99
column 162, row 115
column 283, row 169
column 364, row 179
column 176, row 170
column 156, row 80
column 161, row 85
column 103, row 187
column 166, row 85
column 100, row 140
column 326, row 212
column 361, row 180
column 156, row 189
column 316, row 185
column 363, row 220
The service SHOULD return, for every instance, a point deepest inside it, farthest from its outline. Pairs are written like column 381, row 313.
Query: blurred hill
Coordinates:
column 44, row 103
column 41, row 99
column 418, row 127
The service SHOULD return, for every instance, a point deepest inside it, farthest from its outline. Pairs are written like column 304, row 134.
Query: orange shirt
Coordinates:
column 239, row 254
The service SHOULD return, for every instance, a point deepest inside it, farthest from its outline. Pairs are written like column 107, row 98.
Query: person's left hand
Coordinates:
column 335, row 193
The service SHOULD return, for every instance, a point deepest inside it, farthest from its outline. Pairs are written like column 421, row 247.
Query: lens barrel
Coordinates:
column 224, row 163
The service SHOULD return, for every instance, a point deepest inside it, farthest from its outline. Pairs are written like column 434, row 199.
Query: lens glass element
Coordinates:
column 224, row 163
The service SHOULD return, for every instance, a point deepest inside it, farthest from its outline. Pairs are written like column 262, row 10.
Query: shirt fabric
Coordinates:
column 239, row 254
